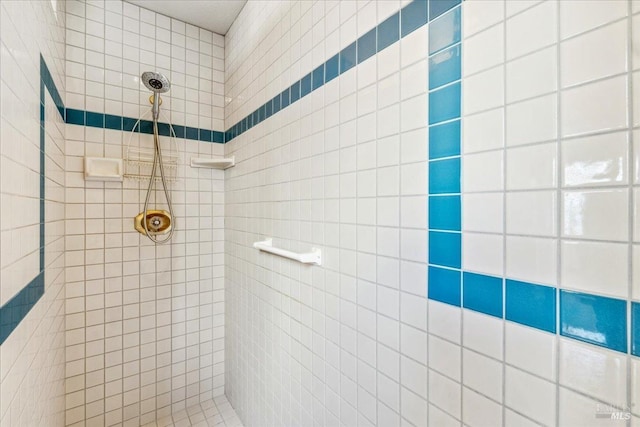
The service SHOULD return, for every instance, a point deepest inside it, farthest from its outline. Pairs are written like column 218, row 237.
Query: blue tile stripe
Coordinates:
column 589, row 318
column 17, row 308
column 411, row 17
column 122, row 123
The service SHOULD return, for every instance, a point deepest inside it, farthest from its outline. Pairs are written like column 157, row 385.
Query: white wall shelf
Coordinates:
column 201, row 162
column 103, row 169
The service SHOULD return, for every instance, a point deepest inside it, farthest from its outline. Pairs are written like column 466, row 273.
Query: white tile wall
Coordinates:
column 145, row 323
column 32, row 357
column 543, row 167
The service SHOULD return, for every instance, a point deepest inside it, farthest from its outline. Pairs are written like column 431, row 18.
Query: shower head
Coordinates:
column 156, row 82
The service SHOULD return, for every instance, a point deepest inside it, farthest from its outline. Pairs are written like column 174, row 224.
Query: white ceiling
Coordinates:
column 214, row 15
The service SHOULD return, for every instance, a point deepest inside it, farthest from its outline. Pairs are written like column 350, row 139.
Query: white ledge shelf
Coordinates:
column 313, row 257
column 201, row 162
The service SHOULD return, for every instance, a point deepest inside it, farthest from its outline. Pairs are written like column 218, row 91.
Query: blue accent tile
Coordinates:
column 254, row 118
column 259, row 115
column 218, row 137
column 269, row 108
column 367, row 45
column 205, row 135
column 276, row 104
column 74, row 117
column 635, row 328
column 444, row 176
column 348, row 57
column 389, row 31
column 438, row 7
column 444, row 104
column 445, row 249
column 318, row 77
column 192, row 133
column 112, row 122
column 285, row 98
column 14, row 310
column 305, row 85
column 413, row 16
column 531, row 305
column 444, row 285
column 594, row 319
column 146, row 126
column 164, row 129
column 444, row 67
column 444, row 140
column 127, row 123
column 262, row 113
column 444, row 213
column 482, row 293
column 180, row 131
column 445, row 31
column 95, row 120
column 295, row 91
column 332, row 68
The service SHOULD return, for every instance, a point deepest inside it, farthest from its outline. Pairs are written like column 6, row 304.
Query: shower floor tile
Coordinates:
column 216, row 412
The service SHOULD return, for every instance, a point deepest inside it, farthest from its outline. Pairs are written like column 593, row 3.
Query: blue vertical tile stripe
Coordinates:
column 17, row 308
column 594, row 319
column 473, row 291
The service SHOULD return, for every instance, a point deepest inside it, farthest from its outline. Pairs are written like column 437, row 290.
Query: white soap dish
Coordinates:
column 103, row 169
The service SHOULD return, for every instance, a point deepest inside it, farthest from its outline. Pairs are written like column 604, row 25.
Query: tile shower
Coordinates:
column 469, row 170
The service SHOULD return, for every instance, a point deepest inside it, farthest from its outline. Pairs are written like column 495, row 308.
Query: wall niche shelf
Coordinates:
column 201, row 162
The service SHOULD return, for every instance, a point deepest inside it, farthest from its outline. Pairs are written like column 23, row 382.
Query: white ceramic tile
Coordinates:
column 635, row 259
column 597, row 160
column 596, row 214
column 530, row 395
column 445, row 321
column 483, row 91
column 532, row 167
column 533, row 120
column 483, row 333
column 532, row 75
column 483, row 131
column 480, row 15
column 577, row 409
column 594, row 55
column 483, row 212
column 634, row 385
column 583, row 15
column 445, row 393
column 483, row 50
column 532, row 213
column 540, row 20
column 608, row 378
column 482, row 253
column 579, row 115
column 477, row 410
column 636, row 97
column 482, row 374
column 445, row 357
column 532, row 259
column 595, row 267
column 531, row 350
column 482, row 172
column 514, row 419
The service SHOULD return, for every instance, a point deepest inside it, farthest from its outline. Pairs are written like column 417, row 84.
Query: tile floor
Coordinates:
column 216, row 412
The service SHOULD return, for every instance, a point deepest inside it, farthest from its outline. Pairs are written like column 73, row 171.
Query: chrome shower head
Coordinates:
column 156, row 82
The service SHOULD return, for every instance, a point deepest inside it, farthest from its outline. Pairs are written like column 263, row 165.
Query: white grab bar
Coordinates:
column 313, row 257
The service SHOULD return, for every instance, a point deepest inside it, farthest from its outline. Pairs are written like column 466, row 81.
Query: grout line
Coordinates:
column 504, row 215
column 558, row 213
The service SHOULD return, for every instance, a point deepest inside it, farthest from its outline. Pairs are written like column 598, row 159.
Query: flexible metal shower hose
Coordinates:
column 157, row 159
